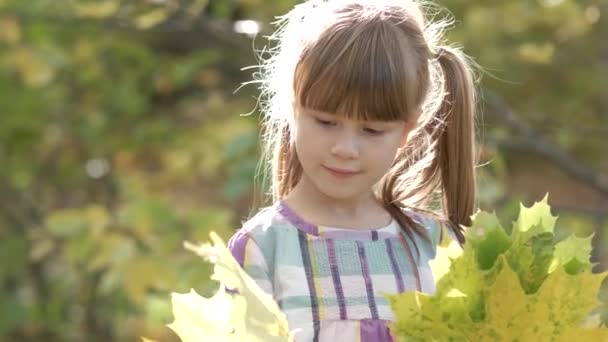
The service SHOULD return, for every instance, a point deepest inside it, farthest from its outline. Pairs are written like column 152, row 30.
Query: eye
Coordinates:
column 325, row 122
column 373, row 131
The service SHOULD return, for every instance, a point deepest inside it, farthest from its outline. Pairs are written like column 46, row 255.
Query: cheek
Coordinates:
column 383, row 161
column 306, row 144
column 382, row 154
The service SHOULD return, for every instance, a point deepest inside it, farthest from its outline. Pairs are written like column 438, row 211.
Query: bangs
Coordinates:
column 365, row 71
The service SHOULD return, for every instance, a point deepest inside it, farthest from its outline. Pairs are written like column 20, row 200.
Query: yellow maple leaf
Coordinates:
column 440, row 265
column 247, row 315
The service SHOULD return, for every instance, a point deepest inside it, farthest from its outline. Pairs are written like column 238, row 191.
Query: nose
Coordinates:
column 345, row 146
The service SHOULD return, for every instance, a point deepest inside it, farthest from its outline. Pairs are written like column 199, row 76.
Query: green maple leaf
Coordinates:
column 532, row 260
column 573, row 252
column 487, row 237
column 533, row 221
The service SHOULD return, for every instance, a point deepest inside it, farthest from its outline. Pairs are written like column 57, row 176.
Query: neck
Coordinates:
column 364, row 210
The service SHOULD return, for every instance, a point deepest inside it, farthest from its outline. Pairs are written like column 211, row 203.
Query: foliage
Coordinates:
column 105, row 128
column 504, row 287
column 544, row 57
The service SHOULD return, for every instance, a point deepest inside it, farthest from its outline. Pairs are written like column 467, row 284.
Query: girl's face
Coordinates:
column 344, row 158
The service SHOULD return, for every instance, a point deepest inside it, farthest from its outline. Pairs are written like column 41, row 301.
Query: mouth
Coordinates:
column 340, row 173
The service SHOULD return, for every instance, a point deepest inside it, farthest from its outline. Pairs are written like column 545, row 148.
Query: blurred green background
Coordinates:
column 121, row 136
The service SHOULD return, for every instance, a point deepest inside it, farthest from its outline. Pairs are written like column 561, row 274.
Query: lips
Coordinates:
column 340, row 173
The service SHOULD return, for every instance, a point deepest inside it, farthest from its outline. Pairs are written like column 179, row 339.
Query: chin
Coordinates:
column 340, row 195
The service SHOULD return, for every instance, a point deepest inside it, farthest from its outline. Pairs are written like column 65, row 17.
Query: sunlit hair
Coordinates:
column 375, row 60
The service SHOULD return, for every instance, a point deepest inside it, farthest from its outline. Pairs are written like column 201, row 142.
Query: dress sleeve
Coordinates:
column 251, row 258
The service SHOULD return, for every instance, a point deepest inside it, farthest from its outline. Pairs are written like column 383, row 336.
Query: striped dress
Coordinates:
column 330, row 282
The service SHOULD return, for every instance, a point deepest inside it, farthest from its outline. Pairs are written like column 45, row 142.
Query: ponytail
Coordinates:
column 456, row 145
column 439, row 155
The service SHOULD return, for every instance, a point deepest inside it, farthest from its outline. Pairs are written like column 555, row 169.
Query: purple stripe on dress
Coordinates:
column 368, row 281
column 413, row 265
column 296, row 220
column 375, row 331
column 237, row 245
column 314, row 304
column 333, row 266
column 395, row 266
column 374, row 235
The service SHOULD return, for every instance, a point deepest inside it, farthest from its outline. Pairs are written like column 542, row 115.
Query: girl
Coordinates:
column 368, row 127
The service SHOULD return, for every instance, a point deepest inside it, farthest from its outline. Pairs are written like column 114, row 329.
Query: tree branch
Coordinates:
column 526, row 139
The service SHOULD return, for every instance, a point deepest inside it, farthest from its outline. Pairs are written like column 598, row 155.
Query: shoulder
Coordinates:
column 257, row 233
column 261, row 225
column 438, row 230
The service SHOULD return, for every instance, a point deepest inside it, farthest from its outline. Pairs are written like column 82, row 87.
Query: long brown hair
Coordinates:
column 376, row 60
